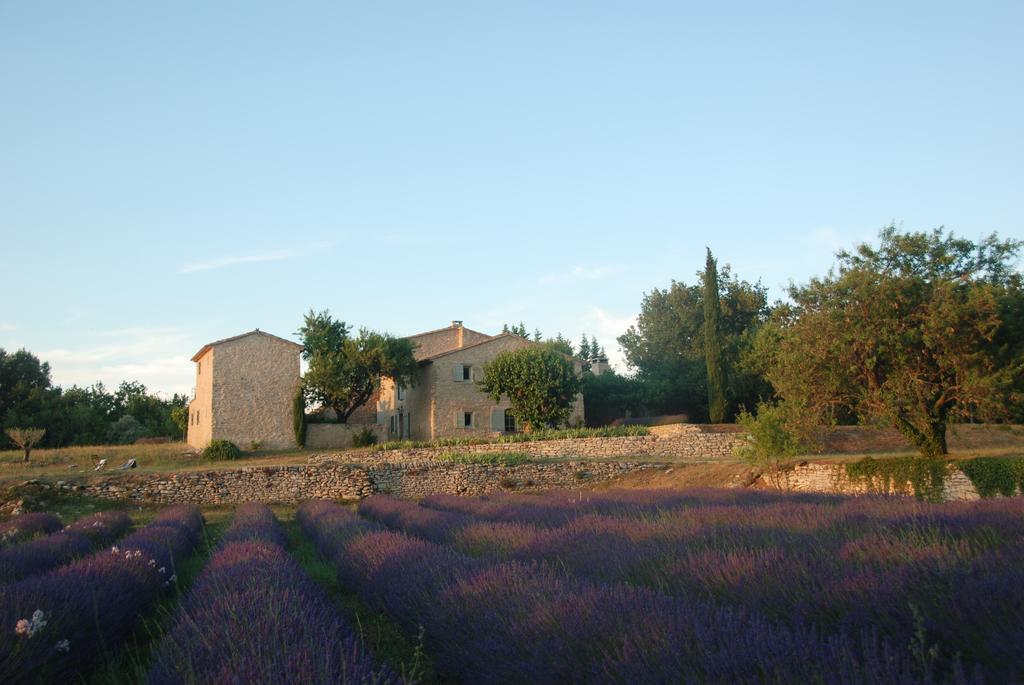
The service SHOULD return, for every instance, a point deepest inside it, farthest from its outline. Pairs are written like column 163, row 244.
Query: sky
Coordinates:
column 175, row 173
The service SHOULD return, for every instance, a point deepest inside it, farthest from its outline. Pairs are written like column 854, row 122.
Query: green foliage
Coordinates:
column 345, row 371
column 610, row 396
column 79, row 416
column 772, row 441
column 995, row 475
column 666, row 346
column 364, row 438
column 907, row 333
column 924, row 475
column 179, row 417
column 299, row 417
column 220, row 450
column 540, row 384
column 548, row 434
column 714, row 344
column 125, row 430
column 486, row 458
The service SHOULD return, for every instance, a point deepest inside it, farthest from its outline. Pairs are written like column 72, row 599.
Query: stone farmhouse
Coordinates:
column 245, row 386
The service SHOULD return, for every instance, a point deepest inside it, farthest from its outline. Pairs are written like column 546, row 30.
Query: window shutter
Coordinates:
column 458, row 419
column 457, row 373
column 497, row 420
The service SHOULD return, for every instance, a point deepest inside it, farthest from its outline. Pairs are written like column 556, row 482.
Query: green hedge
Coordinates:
column 925, row 476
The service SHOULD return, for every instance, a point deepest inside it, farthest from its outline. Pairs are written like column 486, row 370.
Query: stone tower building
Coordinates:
column 245, row 386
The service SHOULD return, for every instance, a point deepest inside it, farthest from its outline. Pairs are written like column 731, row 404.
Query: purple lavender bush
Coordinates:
column 75, row 541
column 255, row 616
column 885, row 571
column 514, row 622
column 54, row 626
column 28, row 526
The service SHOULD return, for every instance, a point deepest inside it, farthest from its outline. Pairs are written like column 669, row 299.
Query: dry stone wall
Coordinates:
column 688, row 443
column 336, row 480
column 326, row 436
column 833, row 478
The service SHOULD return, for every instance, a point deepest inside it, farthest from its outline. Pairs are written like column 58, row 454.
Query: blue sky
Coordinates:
column 174, row 173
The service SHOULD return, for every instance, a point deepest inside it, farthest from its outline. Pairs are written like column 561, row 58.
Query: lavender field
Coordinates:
column 657, row 586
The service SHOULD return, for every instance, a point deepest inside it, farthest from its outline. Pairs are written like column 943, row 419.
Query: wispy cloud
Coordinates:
column 268, row 256
column 7, row 326
column 582, row 273
column 158, row 357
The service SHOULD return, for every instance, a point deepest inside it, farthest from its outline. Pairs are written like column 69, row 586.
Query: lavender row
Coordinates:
column 50, row 551
column 555, row 507
column 55, row 625
column 28, row 526
column 514, row 622
column 950, row 577
column 254, row 616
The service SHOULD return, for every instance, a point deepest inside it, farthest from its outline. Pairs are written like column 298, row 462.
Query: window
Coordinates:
column 197, row 417
column 467, row 419
column 401, row 393
column 467, row 373
column 393, row 427
column 199, row 368
column 510, row 422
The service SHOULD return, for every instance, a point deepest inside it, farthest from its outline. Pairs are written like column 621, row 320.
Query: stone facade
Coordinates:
column 245, row 387
column 451, row 363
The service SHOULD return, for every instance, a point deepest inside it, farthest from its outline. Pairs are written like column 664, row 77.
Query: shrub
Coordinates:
column 995, row 475
column 221, row 450
column 772, row 442
column 255, row 445
column 364, row 438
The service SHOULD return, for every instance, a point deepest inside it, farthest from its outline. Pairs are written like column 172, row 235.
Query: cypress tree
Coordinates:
column 713, row 344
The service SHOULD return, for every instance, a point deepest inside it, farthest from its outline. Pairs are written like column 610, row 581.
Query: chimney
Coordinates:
column 457, row 325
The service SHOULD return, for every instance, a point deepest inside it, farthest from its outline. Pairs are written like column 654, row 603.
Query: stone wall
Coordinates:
column 336, row 480
column 327, row 436
column 683, row 442
column 833, row 478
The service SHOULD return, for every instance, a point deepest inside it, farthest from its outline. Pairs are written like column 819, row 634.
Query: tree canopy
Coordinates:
column 345, row 371
column 540, row 383
column 911, row 332
column 666, row 347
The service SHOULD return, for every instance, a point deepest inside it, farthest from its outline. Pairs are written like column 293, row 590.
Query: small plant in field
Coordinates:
column 26, row 438
column 219, row 450
column 364, row 438
column 255, row 445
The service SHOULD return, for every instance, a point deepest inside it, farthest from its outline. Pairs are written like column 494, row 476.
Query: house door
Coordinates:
column 403, row 426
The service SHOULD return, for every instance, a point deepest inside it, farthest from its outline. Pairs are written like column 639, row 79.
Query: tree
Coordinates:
column 345, row 371
column 666, row 346
column 908, row 333
column 26, row 438
column 718, row 405
column 610, row 396
column 585, row 348
column 559, row 344
column 539, row 381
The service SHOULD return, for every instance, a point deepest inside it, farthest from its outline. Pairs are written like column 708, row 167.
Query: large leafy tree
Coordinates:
column 345, row 370
column 714, row 344
column 539, row 381
column 666, row 346
column 912, row 332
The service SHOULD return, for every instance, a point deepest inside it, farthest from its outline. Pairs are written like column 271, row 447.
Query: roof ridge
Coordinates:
column 255, row 331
